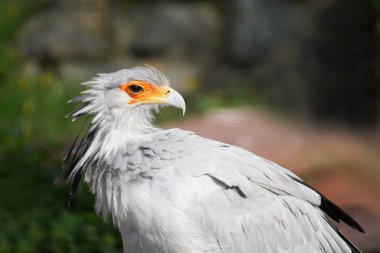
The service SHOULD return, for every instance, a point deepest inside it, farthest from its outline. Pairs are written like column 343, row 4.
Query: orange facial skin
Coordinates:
column 148, row 93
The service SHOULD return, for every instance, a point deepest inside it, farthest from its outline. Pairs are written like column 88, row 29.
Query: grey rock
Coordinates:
column 67, row 30
column 176, row 30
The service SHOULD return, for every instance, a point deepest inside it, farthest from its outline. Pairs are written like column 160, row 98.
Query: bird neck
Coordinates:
column 120, row 128
column 131, row 121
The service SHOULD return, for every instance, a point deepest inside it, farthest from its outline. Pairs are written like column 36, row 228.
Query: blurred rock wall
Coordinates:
column 313, row 58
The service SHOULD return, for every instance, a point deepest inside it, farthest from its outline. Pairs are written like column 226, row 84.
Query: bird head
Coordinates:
column 123, row 103
column 128, row 95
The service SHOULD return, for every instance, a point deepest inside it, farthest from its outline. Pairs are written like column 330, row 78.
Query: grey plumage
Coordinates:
column 171, row 191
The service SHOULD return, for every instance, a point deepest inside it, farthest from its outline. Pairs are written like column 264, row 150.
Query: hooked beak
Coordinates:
column 175, row 99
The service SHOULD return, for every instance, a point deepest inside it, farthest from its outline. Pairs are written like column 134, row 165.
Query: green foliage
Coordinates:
column 34, row 135
column 34, row 216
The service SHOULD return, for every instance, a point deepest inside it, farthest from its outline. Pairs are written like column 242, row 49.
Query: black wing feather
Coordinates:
column 333, row 211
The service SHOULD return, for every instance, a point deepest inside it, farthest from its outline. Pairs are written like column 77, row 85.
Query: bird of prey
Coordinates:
column 172, row 191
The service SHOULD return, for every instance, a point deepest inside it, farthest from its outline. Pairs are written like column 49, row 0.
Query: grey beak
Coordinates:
column 176, row 100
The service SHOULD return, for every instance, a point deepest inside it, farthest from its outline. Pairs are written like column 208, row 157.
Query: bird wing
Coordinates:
column 244, row 203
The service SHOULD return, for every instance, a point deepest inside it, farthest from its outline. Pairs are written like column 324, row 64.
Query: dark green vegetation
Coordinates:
column 34, row 216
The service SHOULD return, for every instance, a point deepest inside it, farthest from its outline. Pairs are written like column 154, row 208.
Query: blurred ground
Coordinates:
column 339, row 162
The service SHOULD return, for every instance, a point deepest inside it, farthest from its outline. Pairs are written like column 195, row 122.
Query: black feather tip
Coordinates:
column 333, row 211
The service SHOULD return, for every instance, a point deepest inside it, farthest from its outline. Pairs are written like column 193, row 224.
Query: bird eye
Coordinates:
column 134, row 88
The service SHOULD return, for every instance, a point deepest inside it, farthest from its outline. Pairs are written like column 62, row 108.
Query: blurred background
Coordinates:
column 295, row 81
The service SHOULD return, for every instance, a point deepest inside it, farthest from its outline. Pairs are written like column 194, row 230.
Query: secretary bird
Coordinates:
column 172, row 191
